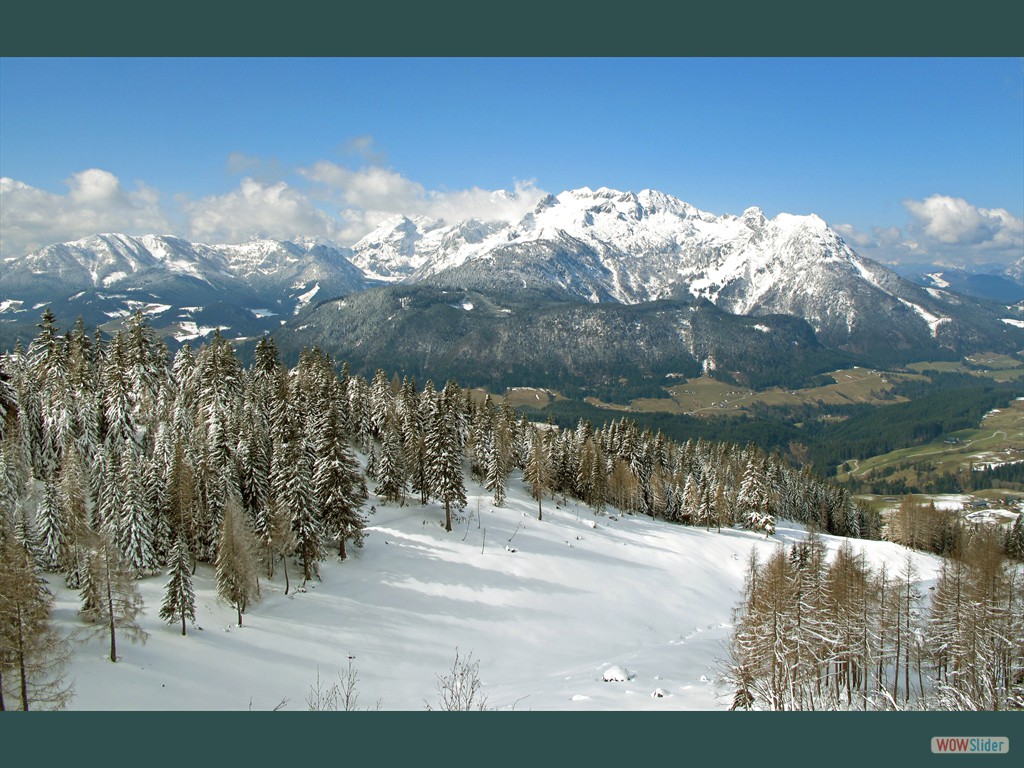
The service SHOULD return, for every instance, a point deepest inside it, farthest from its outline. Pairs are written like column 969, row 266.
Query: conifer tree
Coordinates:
column 391, row 483
column 50, row 528
column 179, row 596
column 338, row 486
column 135, row 533
column 299, row 501
column 754, row 500
column 117, row 396
column 497, row 461
column 444, row 454
column 1015, row 539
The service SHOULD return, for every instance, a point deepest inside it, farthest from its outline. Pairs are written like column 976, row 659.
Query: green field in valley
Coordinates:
column 999, row 438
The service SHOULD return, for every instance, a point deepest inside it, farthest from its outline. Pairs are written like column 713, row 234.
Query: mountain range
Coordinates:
column 589, row 282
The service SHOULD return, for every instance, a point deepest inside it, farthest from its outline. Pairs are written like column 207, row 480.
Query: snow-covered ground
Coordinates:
column 550, row 609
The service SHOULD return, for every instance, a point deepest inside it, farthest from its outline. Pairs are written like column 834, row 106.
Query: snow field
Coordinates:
column 580, row 594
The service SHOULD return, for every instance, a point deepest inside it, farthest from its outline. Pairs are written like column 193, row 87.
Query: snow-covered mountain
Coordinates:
column 185, row 286
column 1016, row 270
column 996, row 285
column 583, row 247
column 606, row 245
column 114, row 262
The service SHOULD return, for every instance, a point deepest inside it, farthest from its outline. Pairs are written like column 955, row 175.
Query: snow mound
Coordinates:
column 616, row 674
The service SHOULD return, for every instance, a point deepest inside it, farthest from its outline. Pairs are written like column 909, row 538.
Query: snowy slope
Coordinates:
column 580, row 594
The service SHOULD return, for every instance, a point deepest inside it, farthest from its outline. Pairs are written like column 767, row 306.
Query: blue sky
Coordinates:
column 911, row 159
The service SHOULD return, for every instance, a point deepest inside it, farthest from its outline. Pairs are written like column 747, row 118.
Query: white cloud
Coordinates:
column 368, row 196
column 952, row 221
column 274, row 210
column 370, row 189
column 942, row 230
column 96, row 202
column 327, row 200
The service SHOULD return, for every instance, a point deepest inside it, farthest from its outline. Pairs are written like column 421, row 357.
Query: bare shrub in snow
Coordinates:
column 459, row 690
column 342, row 696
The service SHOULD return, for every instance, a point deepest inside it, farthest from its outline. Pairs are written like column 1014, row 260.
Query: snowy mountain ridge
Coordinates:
column 606, row 245
column 581, row 246
column 108, row 260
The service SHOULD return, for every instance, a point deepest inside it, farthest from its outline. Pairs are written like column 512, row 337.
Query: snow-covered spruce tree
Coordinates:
column 297, row 497
column 146, row 370
column 117, row 397
column 237, row 582
column 219, row 395
column 414, row 447
column 444, row 453
column 498, row 461
column 381, row 398
column 27, row 458
column 338, row 486
column 1014, row 545
column 33, row 655
column 754, row 498
column 135, row 534
column 253, row 458
column 8, row 401
column 48, row 361
column 111, row 601
column 50, row 528
column 157, row 502
column 110, row 494
column 391, row 484
column 179, row 596
column 692, row 492
column 10, row 497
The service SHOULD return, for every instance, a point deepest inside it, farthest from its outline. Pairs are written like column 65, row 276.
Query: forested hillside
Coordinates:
column 119, row 462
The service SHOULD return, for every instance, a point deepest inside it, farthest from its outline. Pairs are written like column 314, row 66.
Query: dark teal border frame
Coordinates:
column 522, row 28
column 620, row 739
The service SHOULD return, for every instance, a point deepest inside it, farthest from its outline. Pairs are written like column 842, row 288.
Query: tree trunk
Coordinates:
column 341, row 547
column 447, row 515
column 110, row 610
column 183, row 622
column 21, row 662
column 238, row 607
